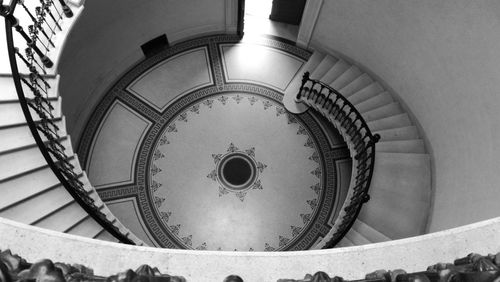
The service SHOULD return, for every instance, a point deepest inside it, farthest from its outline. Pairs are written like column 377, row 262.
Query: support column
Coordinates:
column 309, row 18
column 231, row 16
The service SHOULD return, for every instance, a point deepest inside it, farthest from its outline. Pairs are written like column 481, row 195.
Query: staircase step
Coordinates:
column 366, row 93
column 311, row 64
column 370, row 233
column 356, row 238
column 344, row 242
column 394, row 134
column 11, row 112
column 36, row 181
column 335, row 71
column 378, row 100
column 415, row 146
column 347, row 77
column 396, row 121
column 29, row 185
column 20, row 161
column 19, row 136
column 400, row 195
column 356, row 85
column 384, row 111
column 63, row 219
column 105, row 236
column 8, row 89
column 38, row 207
column 88, row 228
column 327, row 62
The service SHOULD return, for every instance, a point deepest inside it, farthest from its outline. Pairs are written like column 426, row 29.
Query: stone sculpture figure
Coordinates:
column 15, row 268
column 472, row 268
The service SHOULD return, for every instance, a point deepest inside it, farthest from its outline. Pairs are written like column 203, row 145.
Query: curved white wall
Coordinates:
column 443, row 59
column 412, row 254
column 106, row 40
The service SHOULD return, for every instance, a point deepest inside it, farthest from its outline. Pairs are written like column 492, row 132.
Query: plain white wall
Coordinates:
column 443, row 59
column 106, row 40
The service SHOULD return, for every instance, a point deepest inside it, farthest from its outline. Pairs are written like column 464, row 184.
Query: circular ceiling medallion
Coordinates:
column 237, row 171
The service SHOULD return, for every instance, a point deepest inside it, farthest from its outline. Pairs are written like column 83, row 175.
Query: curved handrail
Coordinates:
column 361, row 142
column 52, row 149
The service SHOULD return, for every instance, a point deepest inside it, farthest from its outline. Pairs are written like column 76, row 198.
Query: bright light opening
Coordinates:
column 258, row 8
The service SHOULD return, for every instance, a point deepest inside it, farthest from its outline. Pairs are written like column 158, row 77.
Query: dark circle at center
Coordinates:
column 237, row 171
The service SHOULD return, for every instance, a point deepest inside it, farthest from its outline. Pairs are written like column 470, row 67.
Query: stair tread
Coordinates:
column 17, row 162
column 106, row 236
column 344, row 242
column 327, row 62
column 395, row 121
column 19, row 136
column 356, row 85
column 12, row 113
column 37, row 207
column 374, row 102
column 29, row 185
column 401, row 133
column 369, row 232
column 399, row 218
column 15, row 137
column 88, row 228
column 312, row 63
column 400, row 186
column 64, row 218
column 335, row 71
column 398, row 171
column 24, row 123
column 20, row 188
column 366, row 93
column 345, row 78
column 401, row 146
column 384, row 111
column 8, row 89
column 356, row 238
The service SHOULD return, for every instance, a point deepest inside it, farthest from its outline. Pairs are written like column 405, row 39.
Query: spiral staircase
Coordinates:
column 33, row 193
column 401, row 183
column 401, row 158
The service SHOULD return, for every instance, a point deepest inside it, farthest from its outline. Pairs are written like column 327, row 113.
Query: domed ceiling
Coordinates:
column 193, row 149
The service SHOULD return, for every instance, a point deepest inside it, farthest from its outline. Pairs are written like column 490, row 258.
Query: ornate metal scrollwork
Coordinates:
column 472, row 268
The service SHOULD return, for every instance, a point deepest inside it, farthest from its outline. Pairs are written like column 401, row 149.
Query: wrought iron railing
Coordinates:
column 361, row 142
column 30, row 45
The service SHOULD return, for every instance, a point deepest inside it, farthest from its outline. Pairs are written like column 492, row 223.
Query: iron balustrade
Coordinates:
column 43, row 22
column 336, row 108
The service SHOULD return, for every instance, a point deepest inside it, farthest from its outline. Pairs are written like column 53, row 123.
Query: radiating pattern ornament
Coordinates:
column 237, row 171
